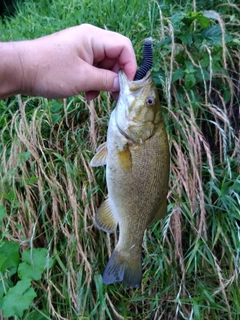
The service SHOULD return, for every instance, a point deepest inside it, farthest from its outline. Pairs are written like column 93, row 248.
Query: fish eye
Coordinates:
column 150, row 101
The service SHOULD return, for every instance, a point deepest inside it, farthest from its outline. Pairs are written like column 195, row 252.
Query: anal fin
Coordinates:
column 105, row 219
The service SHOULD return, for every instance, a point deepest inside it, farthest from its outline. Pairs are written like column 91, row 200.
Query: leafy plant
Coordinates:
column 16, row 298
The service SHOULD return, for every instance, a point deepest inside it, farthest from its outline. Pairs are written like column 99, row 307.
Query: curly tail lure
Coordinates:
column 147, row 61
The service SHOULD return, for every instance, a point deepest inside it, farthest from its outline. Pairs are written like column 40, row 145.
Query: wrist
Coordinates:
column 11, row 69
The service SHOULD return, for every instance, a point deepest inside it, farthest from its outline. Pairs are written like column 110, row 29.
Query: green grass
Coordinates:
column 49, row 192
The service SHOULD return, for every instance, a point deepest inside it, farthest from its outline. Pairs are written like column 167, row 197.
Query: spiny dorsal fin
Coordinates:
column 100, row 158
column 104, row 218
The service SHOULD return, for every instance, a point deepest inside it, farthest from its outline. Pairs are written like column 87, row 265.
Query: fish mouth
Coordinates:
column 133, row 85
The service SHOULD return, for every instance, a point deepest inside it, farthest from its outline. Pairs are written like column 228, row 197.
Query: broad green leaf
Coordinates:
column 203, row 21
column 190, row 80
column 29, row 271
column 162, row 43
column 6, row 283
column 18, row 299
column 177, row 18
column 56, row 118
column 3, row 121
column 24, row 155
column 9, row 251
column 19, row 227
column 190, row 17
column 214, row 35
column 32, row 180
column 2, row 292
column 177, row 74
column 56, row 106
column 2, row 261
column 9, row 196
column 29, row 181
column 3, row 212
column 205, row 61
column 34, row 263
column 186, row 38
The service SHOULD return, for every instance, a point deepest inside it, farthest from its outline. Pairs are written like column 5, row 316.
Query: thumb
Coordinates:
column 103, row 80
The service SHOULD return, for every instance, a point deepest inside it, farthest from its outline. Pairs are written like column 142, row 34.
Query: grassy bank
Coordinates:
column 49, row 193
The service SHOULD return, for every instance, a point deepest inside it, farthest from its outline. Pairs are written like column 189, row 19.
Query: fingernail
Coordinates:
column 116, row 86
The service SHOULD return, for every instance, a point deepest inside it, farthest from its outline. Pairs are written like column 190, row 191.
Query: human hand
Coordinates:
column 78, row 59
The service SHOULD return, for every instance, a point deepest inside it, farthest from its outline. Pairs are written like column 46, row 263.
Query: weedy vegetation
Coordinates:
column 51, row 254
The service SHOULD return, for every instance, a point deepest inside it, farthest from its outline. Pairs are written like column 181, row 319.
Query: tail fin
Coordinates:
column 122, row 267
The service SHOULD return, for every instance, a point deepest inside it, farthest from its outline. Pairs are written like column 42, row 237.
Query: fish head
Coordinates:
column 138, row 110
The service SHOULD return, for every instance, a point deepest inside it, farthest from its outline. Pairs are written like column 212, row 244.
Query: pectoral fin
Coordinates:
column 100, row 158
column 104, row 218
column 125, row 159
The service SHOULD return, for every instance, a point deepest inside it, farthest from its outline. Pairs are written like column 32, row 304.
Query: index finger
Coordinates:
column 115, row 46
column 125, row 55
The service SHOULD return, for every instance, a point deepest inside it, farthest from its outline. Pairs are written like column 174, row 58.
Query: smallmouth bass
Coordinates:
column 136, row 155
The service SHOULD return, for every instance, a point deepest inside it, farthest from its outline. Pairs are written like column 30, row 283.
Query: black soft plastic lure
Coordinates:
column 147, row 61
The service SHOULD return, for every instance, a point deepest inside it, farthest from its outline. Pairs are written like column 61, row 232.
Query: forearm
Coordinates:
column 78, row 59
column 40, row 67
column 11, row 71
column 23, row 66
